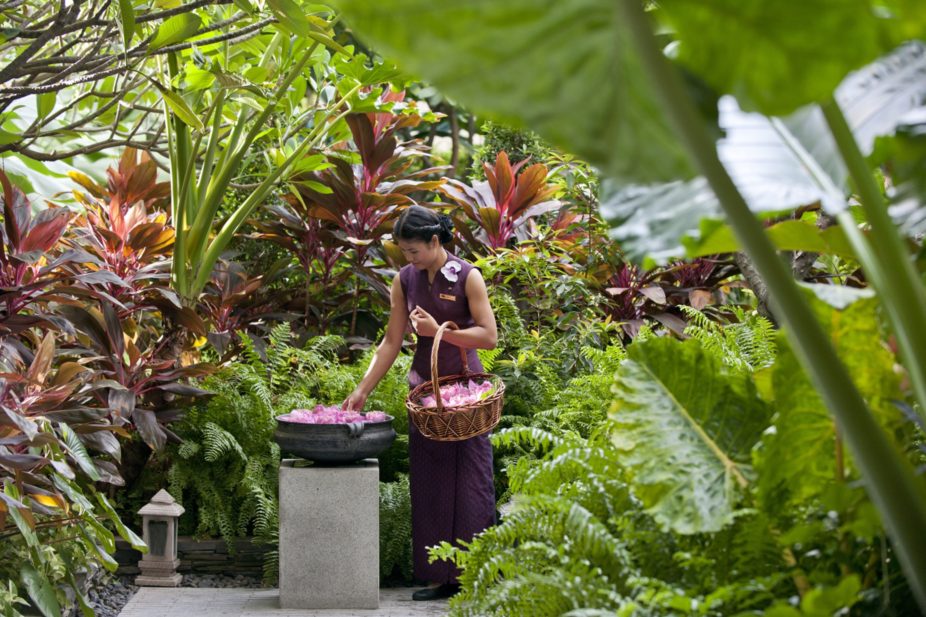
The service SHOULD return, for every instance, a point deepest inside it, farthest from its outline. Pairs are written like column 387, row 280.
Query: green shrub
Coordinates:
column 395, row 529
column 518, row 144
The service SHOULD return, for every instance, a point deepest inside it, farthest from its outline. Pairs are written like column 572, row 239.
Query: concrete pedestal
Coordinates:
column 329, row 535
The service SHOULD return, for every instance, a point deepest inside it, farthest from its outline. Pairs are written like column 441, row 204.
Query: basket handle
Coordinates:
column 434, row 350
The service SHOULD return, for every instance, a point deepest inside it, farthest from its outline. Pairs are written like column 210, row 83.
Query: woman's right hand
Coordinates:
column 355, row 401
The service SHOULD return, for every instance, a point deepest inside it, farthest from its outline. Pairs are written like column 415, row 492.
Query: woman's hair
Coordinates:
column 419, row 223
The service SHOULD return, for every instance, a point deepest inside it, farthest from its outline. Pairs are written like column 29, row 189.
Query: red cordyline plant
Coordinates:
column 359, row 200
column 142, row 373
column 634, row 294
column 505, row 201
column 54, row 446
column 28, row 263
column 311, row 240
column 235, row 301
column 126, row 235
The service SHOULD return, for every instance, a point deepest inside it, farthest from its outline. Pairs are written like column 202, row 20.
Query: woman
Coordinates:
column 452, row 487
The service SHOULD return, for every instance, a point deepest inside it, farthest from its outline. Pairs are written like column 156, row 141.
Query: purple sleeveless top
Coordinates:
column 446, row 301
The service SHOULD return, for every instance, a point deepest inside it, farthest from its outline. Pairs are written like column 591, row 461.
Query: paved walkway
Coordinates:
column 224, row 602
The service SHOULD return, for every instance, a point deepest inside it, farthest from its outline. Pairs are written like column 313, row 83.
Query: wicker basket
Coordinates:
column 441, row 423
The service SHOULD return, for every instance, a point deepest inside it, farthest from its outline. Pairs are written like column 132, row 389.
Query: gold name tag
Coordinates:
column 448, row 297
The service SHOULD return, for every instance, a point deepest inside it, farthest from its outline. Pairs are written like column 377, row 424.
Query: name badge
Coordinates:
column 448, row 297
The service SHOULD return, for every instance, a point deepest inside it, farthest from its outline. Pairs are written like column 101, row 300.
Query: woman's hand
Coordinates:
column 355, row 401
column 423, row 323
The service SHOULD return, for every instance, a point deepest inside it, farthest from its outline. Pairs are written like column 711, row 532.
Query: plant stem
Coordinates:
column 238, row 217
column 896, row 282
column 889, row 479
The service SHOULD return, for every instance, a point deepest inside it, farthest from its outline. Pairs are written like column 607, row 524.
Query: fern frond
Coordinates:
column 528, row 550
column 395, row 516
column 487, row 357
column 528, row 436
column 217, row 442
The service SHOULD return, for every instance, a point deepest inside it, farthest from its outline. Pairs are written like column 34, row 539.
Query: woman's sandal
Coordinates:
column 436, row 593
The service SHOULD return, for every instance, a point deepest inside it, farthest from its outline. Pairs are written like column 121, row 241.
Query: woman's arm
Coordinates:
column 482, row 335
column 387, row 351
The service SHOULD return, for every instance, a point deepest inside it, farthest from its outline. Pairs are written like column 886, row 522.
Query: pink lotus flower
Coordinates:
column 322, row 414
column 460, row 394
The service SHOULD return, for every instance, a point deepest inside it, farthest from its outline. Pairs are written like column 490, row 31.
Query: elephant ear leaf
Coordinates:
column 649, row 220
column 797, row 460
column 686, row 424
column 568, row 73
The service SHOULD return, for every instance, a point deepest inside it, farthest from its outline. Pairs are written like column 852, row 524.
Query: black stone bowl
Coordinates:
column 334, row 443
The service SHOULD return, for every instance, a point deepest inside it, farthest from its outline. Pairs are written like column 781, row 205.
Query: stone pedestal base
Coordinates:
column 158, row 581
column 329, row 535
column 158, row 573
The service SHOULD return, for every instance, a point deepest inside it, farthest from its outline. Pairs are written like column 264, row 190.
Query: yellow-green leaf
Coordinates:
column 177, row 105
column 176, row 29
column 291, row 16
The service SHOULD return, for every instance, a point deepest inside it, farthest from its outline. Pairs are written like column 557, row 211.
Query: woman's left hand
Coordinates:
column 423, row 322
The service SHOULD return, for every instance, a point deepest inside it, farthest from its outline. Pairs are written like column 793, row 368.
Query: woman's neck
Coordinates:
column 438, row 264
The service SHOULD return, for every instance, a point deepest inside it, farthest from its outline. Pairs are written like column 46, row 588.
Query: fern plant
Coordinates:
column 554, row 550
column 578, row 406
column 395, row 529
column 747, row 343
column 225, row 470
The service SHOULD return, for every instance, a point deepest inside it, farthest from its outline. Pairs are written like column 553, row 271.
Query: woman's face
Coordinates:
column 419, row 253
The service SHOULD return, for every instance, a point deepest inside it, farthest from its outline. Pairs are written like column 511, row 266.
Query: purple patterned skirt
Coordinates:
column 453, row 497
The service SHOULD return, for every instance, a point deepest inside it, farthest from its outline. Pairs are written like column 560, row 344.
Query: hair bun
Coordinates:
column 446, row 228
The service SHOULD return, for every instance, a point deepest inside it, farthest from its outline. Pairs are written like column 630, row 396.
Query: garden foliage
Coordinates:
column 87, row 368
column 721, row 515
column 605, row 88
column 225, row 470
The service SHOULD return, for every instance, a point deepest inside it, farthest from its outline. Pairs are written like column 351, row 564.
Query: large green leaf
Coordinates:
column 776, row 55
column 790, row 235
column 777, row 163
column 564, row 69
column 686, row 425
column 797, row 460
column 175, row 30
column 179, row 106
column 75, row 447
column 40, row 591
column 127, row 534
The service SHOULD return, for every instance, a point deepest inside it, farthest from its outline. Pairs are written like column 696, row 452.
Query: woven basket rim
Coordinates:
column 425, row 388
column 487, row 410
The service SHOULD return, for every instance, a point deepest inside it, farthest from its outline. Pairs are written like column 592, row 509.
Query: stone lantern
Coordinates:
column 159, row 531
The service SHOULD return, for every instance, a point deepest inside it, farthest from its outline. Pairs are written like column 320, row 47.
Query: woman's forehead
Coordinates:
column 408, row 245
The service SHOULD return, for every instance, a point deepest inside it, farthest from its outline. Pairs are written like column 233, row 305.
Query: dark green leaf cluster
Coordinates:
column 520, row 145
column 395, row 528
